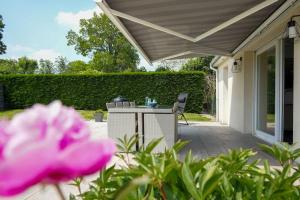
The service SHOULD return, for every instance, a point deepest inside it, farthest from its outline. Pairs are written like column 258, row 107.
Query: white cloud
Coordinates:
column 72, row 19
column 48, row 54
column 19, row 48
column 15, row 51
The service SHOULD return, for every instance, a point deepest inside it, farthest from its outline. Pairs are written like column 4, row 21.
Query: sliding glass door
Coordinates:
column 267, row 93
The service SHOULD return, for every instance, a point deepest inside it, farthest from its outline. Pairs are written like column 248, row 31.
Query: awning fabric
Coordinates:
column 182, row 28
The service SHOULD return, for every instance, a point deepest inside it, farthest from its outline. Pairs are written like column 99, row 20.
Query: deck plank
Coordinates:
column 211, row 139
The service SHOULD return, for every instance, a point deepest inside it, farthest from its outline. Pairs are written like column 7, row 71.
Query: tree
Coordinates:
column 167, row 65
column 103, row 42
column 2, row 45
column 46, row 67
column 27, row 66
column 90, row 72
column 198, row 64
column 77, row 67
column 61, row 64
column 9, row 66
column 142, row 69
column 23, row 65
column 163, row 69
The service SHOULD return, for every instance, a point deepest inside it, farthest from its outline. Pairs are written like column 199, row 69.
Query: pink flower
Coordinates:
column 48, row 144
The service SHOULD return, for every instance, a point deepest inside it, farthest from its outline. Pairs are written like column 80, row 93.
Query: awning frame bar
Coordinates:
column 174, row 56
column 236, row 19
column 271, row 19
column 151, row 25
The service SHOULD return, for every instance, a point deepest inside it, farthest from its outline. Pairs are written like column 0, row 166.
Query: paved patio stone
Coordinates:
column 212, row 138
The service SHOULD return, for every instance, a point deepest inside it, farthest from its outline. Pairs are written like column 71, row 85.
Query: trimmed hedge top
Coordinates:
column 93, row 91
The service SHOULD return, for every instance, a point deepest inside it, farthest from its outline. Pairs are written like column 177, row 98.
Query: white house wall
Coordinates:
column 248, row 67
column 223, row 94
column 236, row 98
column 241, row 93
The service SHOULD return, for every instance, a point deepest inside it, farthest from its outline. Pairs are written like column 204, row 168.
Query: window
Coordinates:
column 266, row 66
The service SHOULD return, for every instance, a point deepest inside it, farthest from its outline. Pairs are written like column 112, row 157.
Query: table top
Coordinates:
column 142, row 109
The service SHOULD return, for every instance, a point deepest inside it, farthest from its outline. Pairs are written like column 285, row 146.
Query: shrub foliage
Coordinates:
column 93, row 91
column 235, row 175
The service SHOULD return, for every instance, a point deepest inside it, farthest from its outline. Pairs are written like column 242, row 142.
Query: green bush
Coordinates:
column 236, row 175
column 93, row 91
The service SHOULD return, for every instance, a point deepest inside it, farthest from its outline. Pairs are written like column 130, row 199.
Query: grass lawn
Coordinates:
column 8, row 114
column 195, row 117
column 271, row 118
column 89, row 115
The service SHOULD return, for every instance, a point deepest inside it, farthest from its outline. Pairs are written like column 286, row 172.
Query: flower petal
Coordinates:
column 26, row 168
column 82, row 159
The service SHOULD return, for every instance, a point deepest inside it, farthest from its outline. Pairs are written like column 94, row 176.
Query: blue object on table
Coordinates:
column 152, row 104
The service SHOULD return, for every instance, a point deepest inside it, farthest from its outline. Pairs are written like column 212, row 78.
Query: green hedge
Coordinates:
column 93, row 91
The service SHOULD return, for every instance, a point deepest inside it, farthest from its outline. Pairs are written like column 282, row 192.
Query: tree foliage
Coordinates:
column 46, row 67
column 198, row 64
column 8, row 66
column 27, row 66
column 169, row 65
column 142, row 69
column 163, row 69
column 102, row 41
column 61, row 64
column 2, row 45
column 77, row 67
column 203, row 64
column 23, row 65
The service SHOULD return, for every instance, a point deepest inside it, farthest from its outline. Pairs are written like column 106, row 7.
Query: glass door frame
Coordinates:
column 278, row 93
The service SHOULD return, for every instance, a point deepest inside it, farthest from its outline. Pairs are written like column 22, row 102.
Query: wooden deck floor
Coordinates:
column 209, row 139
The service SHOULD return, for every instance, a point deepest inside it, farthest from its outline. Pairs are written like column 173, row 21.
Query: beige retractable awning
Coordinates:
column 165, row 29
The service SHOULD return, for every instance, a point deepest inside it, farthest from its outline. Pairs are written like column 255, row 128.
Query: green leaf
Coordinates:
column 179, row 145
column 149, row 148
column 125, row 191
column 189, row 182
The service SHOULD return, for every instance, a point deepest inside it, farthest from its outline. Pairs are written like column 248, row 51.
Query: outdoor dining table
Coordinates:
column 147, row 123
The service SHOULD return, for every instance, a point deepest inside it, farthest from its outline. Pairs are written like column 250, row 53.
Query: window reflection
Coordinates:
column 266, row 91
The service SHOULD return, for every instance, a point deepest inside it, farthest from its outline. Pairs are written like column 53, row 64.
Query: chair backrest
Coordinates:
column 182, row 99
column 110, row 105
column 175, row 107
column 119, row 104
column 132, row 104
column 126, row 104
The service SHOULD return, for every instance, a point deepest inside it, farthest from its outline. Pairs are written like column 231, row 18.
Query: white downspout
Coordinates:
column 211, row 66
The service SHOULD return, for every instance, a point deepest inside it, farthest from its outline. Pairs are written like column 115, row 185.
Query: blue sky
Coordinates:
column 37, row 28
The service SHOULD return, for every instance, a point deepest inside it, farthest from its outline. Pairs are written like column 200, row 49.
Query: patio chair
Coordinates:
column 182, row 98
